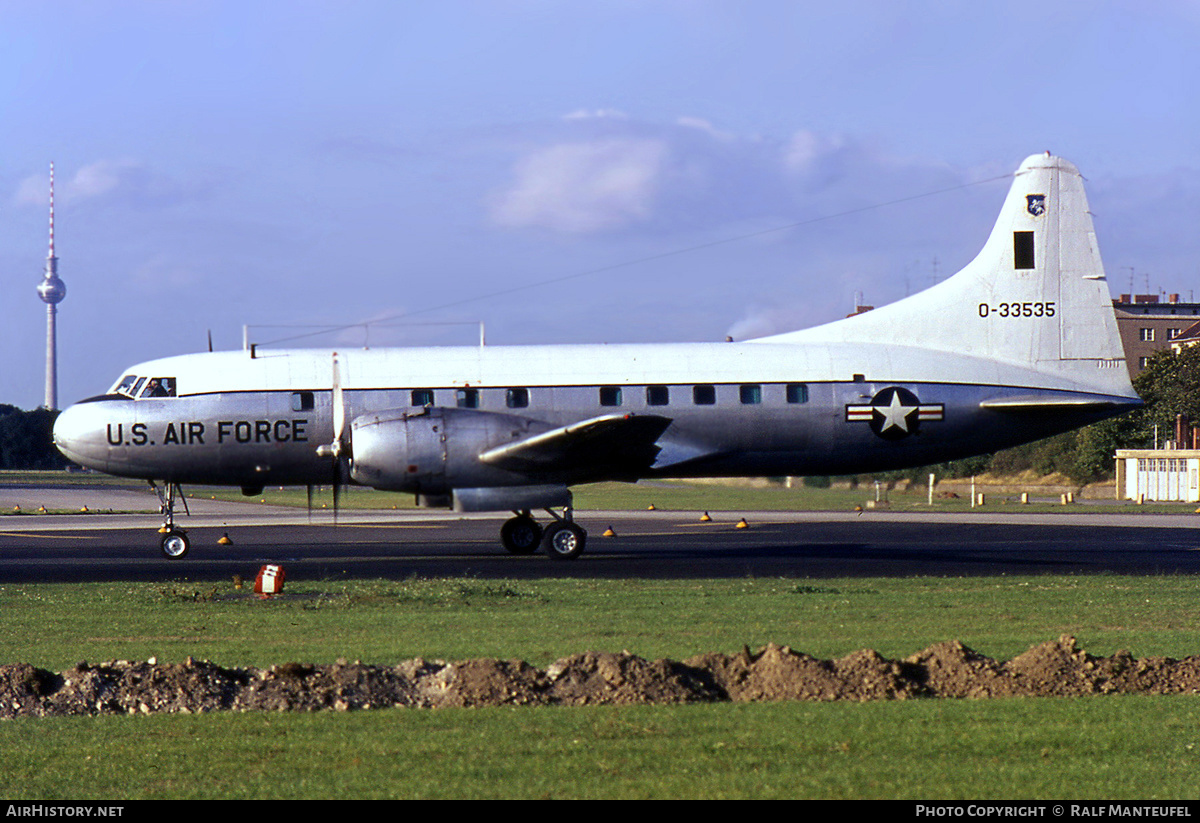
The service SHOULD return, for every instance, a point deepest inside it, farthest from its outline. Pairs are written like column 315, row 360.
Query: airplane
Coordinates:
column 1019, row 345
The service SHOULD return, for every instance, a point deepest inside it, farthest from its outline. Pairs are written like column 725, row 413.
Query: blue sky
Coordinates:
column 324, row 163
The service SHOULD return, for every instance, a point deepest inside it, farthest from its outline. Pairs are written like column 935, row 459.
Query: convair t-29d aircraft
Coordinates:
column 1019, row 345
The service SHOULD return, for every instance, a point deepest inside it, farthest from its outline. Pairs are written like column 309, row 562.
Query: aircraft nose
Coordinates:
column 80, row 435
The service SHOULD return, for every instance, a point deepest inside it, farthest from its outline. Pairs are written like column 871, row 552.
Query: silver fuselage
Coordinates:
column 252, row 436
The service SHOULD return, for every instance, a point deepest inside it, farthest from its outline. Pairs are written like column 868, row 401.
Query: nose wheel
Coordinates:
column 175, row 544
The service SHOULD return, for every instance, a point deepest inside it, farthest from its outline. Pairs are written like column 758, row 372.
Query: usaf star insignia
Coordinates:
column 894, row 413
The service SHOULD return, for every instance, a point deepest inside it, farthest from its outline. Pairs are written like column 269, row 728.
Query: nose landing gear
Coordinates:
column 174, row 542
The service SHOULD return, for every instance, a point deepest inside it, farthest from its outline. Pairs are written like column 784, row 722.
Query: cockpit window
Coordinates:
column 159, row 387
column 142, row 387
column 125, row 386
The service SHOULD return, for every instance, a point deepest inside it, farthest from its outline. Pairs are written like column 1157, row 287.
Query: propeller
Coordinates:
column 339, row 449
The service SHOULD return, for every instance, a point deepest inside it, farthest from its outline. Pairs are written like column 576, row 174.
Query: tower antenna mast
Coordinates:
column 51, row 290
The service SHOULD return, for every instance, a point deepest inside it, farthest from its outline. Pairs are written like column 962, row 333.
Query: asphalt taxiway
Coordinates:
column 99, row 545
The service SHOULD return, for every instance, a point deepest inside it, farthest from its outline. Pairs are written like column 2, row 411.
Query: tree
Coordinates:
column 27, row 439
column 1170, row 386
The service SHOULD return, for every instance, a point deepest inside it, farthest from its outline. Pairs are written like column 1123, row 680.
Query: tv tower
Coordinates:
column 52, row 290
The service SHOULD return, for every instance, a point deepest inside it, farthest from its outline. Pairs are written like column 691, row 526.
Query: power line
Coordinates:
column 638, row 261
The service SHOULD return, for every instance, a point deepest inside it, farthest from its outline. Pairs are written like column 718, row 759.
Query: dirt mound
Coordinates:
column 950, row 669
column 595, row 677
column 778, row 673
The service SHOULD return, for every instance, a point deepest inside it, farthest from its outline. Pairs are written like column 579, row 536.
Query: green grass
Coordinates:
column 681, row 495
column 1106, row 748
column 1103, row 747
column 54, row 626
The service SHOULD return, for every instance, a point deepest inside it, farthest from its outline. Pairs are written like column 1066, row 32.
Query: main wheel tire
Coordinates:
column 521, row 535
column 563, row 541
column 174, row 545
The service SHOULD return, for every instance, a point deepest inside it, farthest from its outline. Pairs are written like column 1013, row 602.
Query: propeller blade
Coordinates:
column 341, row 449
column 339, row 408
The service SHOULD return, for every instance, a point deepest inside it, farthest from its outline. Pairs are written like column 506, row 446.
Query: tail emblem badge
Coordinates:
column 894, row 413
column 1035, row 204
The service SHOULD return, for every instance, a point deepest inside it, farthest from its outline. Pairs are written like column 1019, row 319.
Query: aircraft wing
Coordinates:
column 599, row 444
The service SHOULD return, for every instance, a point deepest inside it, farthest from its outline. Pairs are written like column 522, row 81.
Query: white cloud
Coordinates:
column 123, row 178
column 807, row 150
column 589, row 114
column 583, row 187
column 760, row 322
column 32, row 191
column 98, row 178
column 705, row 126
column 602, row 171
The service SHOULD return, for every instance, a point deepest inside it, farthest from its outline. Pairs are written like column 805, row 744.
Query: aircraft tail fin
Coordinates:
column 1035, row 296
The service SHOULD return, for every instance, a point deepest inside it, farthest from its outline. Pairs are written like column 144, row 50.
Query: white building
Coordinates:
column 1159, row 474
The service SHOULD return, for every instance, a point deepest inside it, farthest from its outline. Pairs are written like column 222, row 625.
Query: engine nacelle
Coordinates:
column 432, row 450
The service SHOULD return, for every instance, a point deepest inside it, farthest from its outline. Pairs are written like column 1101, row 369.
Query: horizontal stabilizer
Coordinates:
column 1039, row 403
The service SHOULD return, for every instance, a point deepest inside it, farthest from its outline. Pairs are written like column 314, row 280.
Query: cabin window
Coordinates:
column 797, row 393
column 302, row 401
column 422, row 397
column 704, row 395
column 610, row 395
column 750, row 394
column 467, row 398
column 657, row 396
column 517, row 398
column 1023, row 250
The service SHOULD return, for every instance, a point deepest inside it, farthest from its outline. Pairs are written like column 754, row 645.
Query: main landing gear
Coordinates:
column 562, row 539
column 174, row 542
